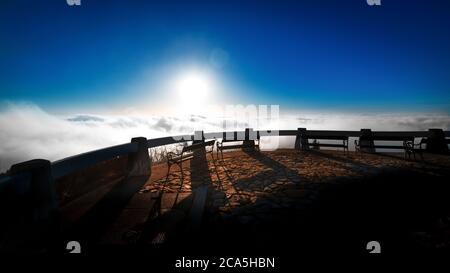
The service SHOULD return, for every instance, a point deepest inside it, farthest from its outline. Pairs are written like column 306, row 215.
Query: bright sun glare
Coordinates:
column 193, row 89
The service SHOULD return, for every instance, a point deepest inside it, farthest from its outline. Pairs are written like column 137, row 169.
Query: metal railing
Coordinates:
column 33, row 183
column 72, row 164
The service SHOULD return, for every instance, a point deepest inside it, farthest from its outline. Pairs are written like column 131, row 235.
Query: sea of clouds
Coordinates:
column 28, row 132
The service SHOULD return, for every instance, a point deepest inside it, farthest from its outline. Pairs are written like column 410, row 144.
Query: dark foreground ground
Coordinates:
column 326, row 202
column 285, row 204
column 292, row 205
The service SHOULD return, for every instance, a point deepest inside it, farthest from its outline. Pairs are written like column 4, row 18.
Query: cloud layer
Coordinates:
column 28, row 132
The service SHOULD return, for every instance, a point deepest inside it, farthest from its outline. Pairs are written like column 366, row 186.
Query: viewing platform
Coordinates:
column 251, row 196
column 308, row 197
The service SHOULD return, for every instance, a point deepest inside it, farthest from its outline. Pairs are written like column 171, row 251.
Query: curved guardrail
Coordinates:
column 72, row 164
column 31, row 187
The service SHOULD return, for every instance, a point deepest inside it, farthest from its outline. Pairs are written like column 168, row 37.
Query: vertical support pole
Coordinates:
column 436, row 142
column 249, row 141
column 139, row 163
column 199, row 154
column 366, row 141
column 199, row 137
column 42, row 225
column 300, row 142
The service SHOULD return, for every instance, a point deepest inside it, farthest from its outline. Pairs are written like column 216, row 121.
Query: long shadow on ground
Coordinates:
column 388, row 207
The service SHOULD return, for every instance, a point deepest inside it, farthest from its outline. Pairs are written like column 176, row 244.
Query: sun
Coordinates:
column 193, row 89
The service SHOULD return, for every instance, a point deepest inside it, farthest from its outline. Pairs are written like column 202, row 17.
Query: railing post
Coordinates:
column 139, row 163
column 42, row 188
column 301, row 143
column 365, row 139
column 249, row 141
column 436, row 142
column 41, row 215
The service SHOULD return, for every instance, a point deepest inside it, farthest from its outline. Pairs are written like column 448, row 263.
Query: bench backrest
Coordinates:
column 197, row 146
column 235, row 140
column 389, row 138
column 335, row 137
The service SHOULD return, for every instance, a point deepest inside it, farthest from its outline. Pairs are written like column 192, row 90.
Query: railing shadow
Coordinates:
column 233, row 226
column 360, row 166
column 271, row 163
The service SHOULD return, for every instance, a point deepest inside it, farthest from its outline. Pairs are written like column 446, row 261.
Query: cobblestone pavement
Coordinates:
column 243, row 185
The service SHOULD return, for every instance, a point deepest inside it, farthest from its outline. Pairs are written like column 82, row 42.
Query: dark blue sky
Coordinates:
column 316, row 54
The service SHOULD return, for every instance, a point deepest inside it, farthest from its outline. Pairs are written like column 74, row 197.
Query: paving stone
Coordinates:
column 276, row 180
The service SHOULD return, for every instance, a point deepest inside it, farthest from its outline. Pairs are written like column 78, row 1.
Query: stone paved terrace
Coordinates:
column 242, row 178
column 250, row 191
column 276, row 198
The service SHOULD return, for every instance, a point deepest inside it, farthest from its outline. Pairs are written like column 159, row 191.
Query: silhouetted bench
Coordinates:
column 407, row 145
column 412, row 148
column 316, row 144
column 187, row 153
column 243, row 144
column 421, row 147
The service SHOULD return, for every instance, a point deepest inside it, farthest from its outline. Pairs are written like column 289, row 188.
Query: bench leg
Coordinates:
column 168, row 171
column 159, row 198
column 407, row 154
column 182, row 180
column 358, row 150
column 181, row 170
column 212, row 156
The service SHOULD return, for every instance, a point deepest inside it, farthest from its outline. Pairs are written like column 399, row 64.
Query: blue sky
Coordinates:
column 339, row 55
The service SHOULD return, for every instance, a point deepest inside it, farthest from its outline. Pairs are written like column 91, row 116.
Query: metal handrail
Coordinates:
column 66, row 166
